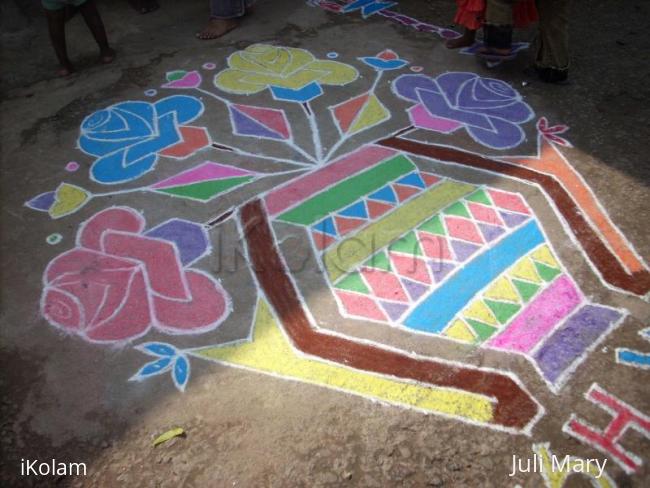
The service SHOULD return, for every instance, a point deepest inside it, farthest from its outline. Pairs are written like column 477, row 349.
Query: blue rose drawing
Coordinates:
column 127, row 137
column 490, row 110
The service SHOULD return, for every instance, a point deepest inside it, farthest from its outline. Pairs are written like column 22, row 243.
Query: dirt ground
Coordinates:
column 69, row 399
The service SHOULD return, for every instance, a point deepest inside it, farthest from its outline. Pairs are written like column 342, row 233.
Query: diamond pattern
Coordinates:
column 397, row 277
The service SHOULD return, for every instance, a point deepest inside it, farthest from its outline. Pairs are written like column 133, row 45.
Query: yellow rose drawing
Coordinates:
column 291, row 74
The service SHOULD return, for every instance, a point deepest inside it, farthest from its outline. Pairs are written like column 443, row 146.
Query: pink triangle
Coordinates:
column 509, row 201
column 360, row 305
column 384, row 284
column 484, row 214
column 346, row 112
column 271, row 118
column 203, row 172
column 322, row 241
column 411, row 267
column 347, row 224
column 463, row 229
column 435, row 247
column 429, row 179
column 404, row 192
column 375, row 209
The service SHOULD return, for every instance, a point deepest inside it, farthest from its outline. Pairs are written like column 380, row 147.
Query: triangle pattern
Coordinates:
column 477, row 310
column 376, row 209
column 404, row 192
column 360, row 305
column 490, row 232
column 345, row 113
column 544, row 255
column 480, row 196
column 526, row 290
column 457, row 209
column 372, row 113
column 508, row 201
column 525, row 270
column 463, row 250
column 512, row 219
column 502, row 289
column 484, row 214
column 384, row 285
column 322, row 241
column 271, row 118
column 411, row 267
column 379, row 261
column 435, row 247
column 546, row 272
column 434, row 226
column 459, row 330
column 429, row 179
column 244, row 125
column 393, row 310
column 326, row 226
column 385, row 194
column 353, row 282
column 502, row 311
column 440, row 270
column 346, row 225
column 408, row 244
column 357, row 210
column 414, row 289
column 483, row 331
column 463, row 229
column 412, row 179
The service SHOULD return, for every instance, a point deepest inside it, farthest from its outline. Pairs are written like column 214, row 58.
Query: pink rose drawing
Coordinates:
column 118, row 282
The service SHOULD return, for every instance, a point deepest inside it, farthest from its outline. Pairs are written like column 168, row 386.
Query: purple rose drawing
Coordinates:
column 490, row 110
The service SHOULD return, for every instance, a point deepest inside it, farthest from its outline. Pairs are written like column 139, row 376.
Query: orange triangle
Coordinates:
column 347, row 224
column 429, row 179
column 375, row 209
column 346, row 112
column 322, row 241
column 404, row 192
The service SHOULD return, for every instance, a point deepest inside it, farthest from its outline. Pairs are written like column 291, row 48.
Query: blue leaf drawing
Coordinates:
column 154, row 368
column 158, row 349
column 181, row 372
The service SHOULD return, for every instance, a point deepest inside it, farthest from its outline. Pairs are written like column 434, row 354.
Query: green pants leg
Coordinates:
column 551, row 45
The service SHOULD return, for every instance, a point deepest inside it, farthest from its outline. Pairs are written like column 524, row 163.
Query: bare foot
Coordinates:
column 65, row 70
column 495, row 51
column 217, row 28
column 466, row 40
column 107, row 55
column 144, row 6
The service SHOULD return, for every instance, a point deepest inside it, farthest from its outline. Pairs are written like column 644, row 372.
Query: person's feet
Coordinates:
column 66, row 69
column 217, row 28
column 107, row 55
column 495, row 51
column 466, row 40
column 552, row 75
column 144, row 6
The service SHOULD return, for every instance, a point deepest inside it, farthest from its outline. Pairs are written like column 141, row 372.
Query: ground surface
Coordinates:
column 65, row 398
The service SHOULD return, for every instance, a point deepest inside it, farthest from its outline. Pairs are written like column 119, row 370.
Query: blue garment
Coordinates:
column 228, row 9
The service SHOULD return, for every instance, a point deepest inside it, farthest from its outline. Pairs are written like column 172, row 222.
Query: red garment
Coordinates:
column 471, row 13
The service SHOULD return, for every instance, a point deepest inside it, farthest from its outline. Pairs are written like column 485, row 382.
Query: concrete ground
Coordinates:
column 68, row 399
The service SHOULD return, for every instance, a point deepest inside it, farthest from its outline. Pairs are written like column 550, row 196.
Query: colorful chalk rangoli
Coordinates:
column 399, row 243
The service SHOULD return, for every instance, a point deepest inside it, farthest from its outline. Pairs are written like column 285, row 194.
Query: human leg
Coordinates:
column 94, row 22
column 551, row 45
column 498, row 27
column 56, row 27
column 224, row 17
